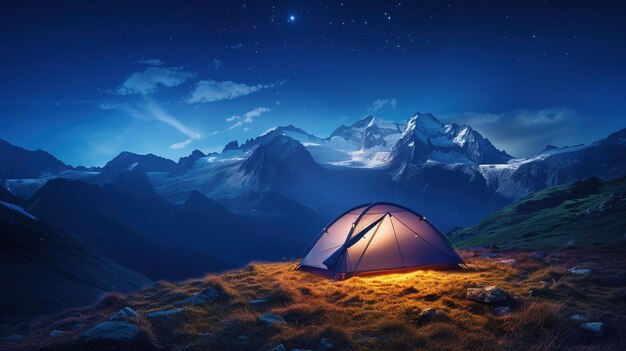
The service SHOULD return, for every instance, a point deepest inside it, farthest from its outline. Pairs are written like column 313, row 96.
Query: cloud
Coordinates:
column 211, row 90
column 380, row 103
column 525, row 132
column 151, row 62
column 150, row 110
column 247, row 117
column 148, row 81
column 217, row 63
column 182, row 144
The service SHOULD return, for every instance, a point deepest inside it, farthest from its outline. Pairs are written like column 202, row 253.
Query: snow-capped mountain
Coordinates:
column 425, row 163
column 427, row 139
column 130, row 161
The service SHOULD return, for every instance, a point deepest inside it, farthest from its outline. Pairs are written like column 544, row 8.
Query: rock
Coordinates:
column 510, row 261
column 210, row 293
column 124, row 314
column 271, row 318
column 430, row 313
column 280, row 347
column 578, row 317
column 165, row 313
column 257, row 302
column 325, row 344
column 243, row 337
column 56, row 332
column 502, row 311
column 111, row 331
column 538, row 255
column 596, row 327
column 198, row 299
column 580, row 271
column 13, row 338
column 487, row 294
column 489, row 255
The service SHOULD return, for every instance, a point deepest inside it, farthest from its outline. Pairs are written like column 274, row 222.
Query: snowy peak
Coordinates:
column 476, row 148
column 427, row 139
column 370, row 132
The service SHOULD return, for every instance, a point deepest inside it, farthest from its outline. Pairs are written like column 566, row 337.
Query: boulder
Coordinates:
column 165, row 313
column 502, row 311
column 56, row 332
column 123, row 315
column 280, row 347
column 595, row 327
column 580, row 271
column 243, row 337
column 487, row 294
column 113, row 331
column 271, row 318
column 578, row 317
column 431, row 313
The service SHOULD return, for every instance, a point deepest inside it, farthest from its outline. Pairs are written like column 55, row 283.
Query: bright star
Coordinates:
column 292, row 18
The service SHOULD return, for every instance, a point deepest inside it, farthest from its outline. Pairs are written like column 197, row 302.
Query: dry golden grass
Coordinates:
column 381, row 312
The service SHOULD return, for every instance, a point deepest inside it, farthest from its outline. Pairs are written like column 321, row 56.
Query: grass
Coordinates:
column 584, row 213
column 375, row 312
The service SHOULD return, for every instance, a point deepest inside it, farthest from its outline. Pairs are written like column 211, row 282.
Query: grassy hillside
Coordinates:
column 583, row 213
column 383, row 312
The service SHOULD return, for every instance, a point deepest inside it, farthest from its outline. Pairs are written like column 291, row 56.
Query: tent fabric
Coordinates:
column 377, row 237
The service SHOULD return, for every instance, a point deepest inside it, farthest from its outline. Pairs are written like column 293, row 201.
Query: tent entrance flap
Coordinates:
column 332, row 260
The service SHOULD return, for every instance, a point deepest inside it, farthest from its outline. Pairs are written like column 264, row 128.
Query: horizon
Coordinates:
column 241, row 141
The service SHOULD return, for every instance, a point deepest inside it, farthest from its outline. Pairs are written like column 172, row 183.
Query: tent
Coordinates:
column 375, row 237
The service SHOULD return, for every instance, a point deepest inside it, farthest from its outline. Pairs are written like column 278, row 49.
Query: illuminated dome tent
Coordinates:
column 377, row 237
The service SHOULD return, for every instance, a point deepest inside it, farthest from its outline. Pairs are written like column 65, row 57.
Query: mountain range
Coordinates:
column 267, row 197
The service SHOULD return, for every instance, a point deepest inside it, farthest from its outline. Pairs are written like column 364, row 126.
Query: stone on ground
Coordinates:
column 111, row 331
column 124, row 314
column 487, row 294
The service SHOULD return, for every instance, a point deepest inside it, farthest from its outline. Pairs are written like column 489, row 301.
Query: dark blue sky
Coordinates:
column 86, row 80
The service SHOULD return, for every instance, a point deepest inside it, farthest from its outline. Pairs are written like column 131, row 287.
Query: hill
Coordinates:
column 587, row 212
column 45, row 271
column 268, row 305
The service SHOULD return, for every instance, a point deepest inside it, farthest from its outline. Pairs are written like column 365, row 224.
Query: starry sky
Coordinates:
column 86, row 80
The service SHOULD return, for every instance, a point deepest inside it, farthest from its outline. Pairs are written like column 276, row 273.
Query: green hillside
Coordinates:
column 583, row 213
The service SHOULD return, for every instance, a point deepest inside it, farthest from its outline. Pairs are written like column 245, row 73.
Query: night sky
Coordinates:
column 86, row 80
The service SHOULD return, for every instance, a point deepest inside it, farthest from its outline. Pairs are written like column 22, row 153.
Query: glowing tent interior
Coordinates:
column 377, row 237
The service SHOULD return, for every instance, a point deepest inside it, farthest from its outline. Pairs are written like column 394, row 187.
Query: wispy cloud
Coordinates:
column 247, row 117
column 148, row 81
column 380, row 103
column 217, row 64
column 150, row 110
column 151, row 62
column 211, row 90
column 525, row 132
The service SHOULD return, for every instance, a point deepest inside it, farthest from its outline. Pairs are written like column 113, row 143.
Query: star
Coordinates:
column 291, row 18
